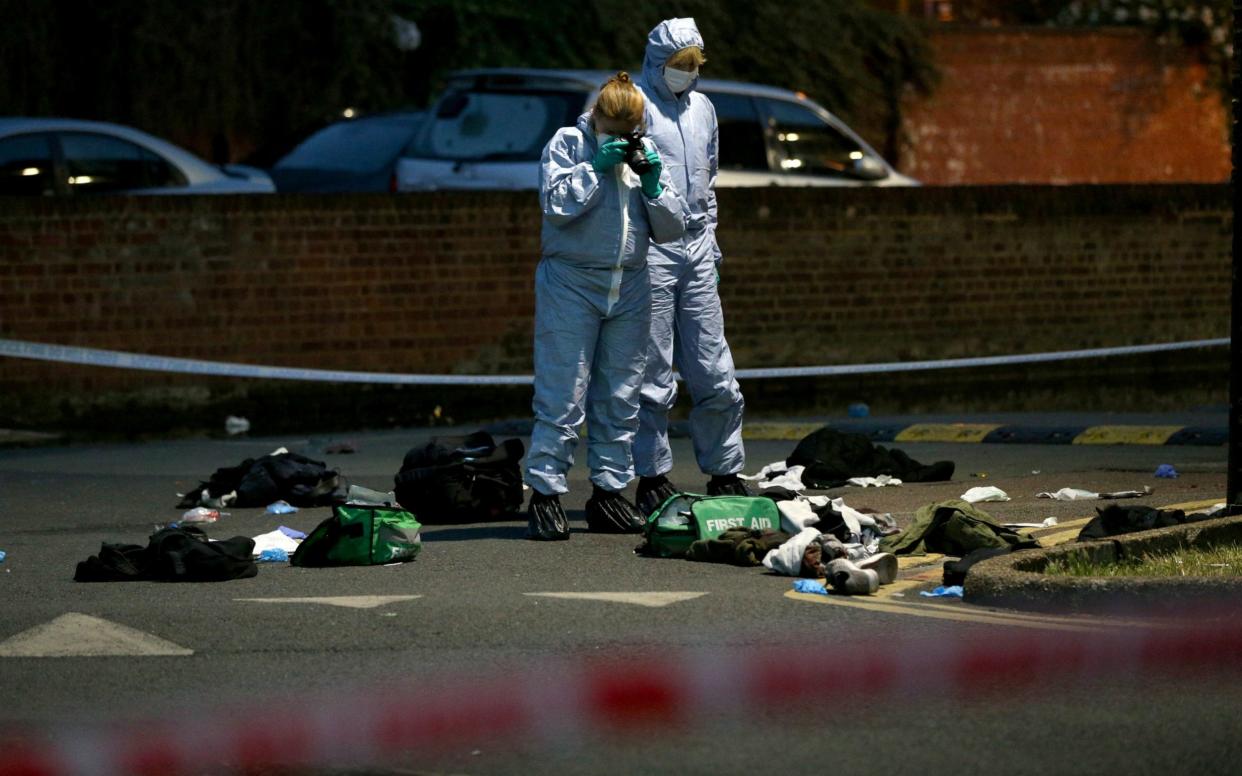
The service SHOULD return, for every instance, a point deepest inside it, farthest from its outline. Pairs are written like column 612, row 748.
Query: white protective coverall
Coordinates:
column 592, row 308
column 687, row 325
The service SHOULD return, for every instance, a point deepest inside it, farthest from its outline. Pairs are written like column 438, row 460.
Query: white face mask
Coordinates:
column 679, row 80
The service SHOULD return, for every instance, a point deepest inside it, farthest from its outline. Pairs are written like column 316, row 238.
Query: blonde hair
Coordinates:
column 689, row 58
column 620, row 100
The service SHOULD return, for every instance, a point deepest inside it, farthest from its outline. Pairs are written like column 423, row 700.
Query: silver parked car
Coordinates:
column 488, row 129
column 353, row 155
column 66, row 157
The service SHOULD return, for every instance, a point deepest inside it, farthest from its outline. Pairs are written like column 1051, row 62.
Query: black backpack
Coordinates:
column 461, row 479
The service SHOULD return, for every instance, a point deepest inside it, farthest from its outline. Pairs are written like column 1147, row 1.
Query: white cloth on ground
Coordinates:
column 778, row 475
column 274, row 540
column 1070, row 494
column 874, row 482
column 984, row 493
column 1048, row 523
column 787, row 559
column 796, row 514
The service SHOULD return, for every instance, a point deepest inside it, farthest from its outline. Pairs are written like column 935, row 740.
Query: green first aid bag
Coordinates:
column 689, row 517
column 361, row 535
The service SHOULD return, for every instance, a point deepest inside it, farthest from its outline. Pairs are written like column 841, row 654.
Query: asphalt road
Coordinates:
column 466, row 614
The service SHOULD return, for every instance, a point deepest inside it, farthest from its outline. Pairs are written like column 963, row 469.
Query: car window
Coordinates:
column 358, row 146
column 101, row 164
column 805, row 144
column 509, row 125
column 741, row 134
column 26, row 165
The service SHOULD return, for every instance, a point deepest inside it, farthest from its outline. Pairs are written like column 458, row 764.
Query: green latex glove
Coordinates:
column 609, row 155
column 651, row 178
column 717, row 274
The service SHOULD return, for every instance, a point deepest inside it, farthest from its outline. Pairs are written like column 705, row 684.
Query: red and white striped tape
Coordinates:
column 551, row 700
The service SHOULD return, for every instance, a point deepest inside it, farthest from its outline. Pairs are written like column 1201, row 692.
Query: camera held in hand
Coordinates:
column 636, row 153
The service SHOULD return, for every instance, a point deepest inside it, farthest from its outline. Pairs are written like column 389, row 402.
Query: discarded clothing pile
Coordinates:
column 171, row 555
column 737, row 546
column 954, row 527
column 832, row 540
column 780, row 481
column 832, row 458
column 257, row 482
column 1116, row 519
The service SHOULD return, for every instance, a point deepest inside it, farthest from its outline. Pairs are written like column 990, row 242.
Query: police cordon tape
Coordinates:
column 120, row 359
column 556, row 702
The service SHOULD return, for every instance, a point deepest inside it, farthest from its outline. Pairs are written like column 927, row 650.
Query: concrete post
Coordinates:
column 1234, row 485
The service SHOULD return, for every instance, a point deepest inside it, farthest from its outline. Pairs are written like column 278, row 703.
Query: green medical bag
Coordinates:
column 688, row 517
column 361, row 535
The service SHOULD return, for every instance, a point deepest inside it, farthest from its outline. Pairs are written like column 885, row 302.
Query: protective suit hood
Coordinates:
column 587, row 128
column 666, row 39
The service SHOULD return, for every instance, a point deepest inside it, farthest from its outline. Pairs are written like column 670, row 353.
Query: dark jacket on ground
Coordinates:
column 171, row 555
column 953, row 527
column 832, row 457
column 1116, row 519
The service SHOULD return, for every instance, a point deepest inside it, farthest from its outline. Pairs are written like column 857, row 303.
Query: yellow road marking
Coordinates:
column 1085, row 620
column 985, row 617
column 1126, row 435
column 915, row 561
column 902, row 585
column 1062, row 537
column 1193, row 505
column 779, row 431
column 946, row 432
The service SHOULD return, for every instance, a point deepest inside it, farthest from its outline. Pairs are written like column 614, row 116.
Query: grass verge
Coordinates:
column 1223, row 561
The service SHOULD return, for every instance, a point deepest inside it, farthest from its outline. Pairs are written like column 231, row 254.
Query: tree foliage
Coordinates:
column 222, row 76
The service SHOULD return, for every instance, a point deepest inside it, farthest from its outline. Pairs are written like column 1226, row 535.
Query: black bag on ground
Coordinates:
column 171, row 555
column 461, row 479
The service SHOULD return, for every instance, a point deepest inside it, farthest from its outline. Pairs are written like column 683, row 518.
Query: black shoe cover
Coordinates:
column 652, row 492
column 727, row 485
column 609, row 512
column 545, row 519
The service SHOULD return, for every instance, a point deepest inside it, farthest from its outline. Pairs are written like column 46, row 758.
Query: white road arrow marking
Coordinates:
column 80, row 635
column 641, row 599
column 348, row 601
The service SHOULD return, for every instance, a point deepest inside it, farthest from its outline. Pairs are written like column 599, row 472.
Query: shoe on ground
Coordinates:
column 545, row 519
column 609, row 512
column 652, row 492
column 727, row 485
column 884, row 564
column 847, row 578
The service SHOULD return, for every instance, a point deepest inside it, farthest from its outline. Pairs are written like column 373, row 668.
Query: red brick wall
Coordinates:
column 443, row 282
column 1027, row 105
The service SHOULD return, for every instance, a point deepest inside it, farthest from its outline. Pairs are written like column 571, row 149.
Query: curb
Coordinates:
column 1017, row 581
column 991, row 433
column 996, row 433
